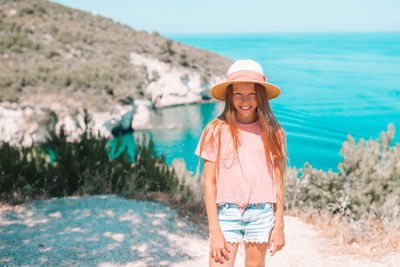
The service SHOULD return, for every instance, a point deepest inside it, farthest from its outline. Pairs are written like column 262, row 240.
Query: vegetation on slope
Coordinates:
column 50, row 49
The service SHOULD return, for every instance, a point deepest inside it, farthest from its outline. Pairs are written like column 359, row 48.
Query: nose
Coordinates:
column 246, row 99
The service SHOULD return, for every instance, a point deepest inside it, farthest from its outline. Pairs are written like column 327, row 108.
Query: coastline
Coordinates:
column 27, row 121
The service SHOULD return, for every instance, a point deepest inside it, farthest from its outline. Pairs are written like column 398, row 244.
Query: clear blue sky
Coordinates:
column 234, row 16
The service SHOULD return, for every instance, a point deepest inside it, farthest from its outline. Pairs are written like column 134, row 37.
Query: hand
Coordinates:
column 219, row 248
column 278, row 238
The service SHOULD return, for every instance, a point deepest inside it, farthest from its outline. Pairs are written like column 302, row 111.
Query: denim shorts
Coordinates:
column 251, row 224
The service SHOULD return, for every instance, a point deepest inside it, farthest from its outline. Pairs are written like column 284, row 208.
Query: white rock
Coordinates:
column 18, row 129
column 12, row 12
column 142, row 117
column 167, row 88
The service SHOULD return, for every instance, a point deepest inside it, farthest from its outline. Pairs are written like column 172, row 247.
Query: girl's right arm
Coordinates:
column 218, row 246
column 210, row 192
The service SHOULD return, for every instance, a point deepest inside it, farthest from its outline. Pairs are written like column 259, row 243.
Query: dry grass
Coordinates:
column 370, row 237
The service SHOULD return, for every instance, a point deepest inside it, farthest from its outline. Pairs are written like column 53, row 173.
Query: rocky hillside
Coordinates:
column 49, row 48
column 59, row 58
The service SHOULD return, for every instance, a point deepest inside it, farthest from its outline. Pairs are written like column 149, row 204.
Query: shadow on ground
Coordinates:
column 92, row 230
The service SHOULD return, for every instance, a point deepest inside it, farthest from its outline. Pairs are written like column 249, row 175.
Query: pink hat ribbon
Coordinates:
column 244, row 75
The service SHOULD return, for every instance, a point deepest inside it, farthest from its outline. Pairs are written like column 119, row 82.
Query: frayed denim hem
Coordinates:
column 254, row 241
column 235, row 241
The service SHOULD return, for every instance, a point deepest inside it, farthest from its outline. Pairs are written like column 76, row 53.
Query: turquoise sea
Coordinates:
column 333, row 84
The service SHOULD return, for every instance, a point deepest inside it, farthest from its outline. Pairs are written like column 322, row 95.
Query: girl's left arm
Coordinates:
column 278, row 206
column 277, row 236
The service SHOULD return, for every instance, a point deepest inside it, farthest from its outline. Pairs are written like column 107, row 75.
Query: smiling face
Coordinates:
column 245, row 102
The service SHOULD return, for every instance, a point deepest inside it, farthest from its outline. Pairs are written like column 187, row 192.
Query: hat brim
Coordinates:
column 218, row 91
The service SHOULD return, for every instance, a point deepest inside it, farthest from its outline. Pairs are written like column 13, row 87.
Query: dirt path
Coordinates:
column 106, row 230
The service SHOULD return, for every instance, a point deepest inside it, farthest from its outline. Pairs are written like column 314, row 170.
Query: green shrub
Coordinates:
column 17, row 42
column 22, row 170
column 66, row 37
column 34, row 9
column 183, row 61
column 51, row 54
column 81, row 167
column 360, row 205
column 368, row 184
column 152, row 172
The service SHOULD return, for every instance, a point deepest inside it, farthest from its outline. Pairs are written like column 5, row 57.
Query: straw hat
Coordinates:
column 244, row 71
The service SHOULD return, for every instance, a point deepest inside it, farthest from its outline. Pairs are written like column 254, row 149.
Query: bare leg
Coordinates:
column 232, row 255
column 255, row 254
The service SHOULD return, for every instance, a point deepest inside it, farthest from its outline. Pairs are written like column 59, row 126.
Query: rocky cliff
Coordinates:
column 55, row 58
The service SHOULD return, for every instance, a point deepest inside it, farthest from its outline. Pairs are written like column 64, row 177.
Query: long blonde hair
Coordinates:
column 273, row 136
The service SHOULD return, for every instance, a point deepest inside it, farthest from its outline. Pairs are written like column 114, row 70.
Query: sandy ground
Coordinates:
column 106, row 230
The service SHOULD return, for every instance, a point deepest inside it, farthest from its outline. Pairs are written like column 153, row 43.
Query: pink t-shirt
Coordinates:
column 257, row 182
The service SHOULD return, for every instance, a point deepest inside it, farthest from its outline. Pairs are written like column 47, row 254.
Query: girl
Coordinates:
column 244, row 152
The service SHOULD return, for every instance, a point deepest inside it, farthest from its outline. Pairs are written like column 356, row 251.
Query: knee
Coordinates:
column 255, row 263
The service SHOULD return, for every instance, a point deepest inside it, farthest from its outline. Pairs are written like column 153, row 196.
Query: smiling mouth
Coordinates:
column 245, row 108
